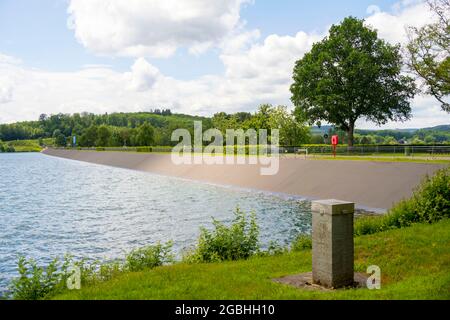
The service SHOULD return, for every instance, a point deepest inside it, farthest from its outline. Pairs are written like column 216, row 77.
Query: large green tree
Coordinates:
column 103, row 136
column 429, row 52
column 352, row 74
column 60, row 139
column 145, row 135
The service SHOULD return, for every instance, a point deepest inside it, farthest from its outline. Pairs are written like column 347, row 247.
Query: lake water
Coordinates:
column 51, row 206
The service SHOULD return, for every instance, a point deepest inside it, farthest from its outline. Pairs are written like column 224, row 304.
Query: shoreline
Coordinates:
column 373, row 186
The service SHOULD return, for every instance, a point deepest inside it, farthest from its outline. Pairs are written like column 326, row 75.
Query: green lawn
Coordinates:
column 393, row 158
column 25, row 145
column 414, row 261
column 381, row 158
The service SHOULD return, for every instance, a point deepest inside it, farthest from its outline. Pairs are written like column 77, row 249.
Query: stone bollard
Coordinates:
column 332, row 243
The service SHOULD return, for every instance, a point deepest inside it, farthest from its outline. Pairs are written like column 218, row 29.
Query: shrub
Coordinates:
column 433, row 197
column 149, row 257
column 303, row 242
column 144, row 149
column 429, row 203
column 36, row 282
column 225, row 243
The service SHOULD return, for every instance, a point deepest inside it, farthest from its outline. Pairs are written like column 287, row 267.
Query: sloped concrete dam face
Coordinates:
column 376, row 185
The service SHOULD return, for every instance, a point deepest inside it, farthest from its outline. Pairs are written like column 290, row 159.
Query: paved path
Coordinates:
column 369, row 184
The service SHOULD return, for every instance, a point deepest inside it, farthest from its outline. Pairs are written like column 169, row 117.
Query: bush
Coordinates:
column 303, row 242
column 10, row 148
column 226, row 243
column 433, row 197
column 149, row 257
column 144, row 149
column 37, row 282
column 429, row 203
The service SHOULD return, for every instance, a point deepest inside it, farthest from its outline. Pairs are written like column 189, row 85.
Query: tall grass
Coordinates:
column 41, row 282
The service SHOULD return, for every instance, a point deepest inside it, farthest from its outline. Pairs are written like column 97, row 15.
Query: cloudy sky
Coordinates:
column 193, row 56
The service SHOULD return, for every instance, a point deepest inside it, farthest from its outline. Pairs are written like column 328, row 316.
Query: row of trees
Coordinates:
column 108, row 136
column 427, row 137
column 115, row 129
column 143, row 129
column 293, row 131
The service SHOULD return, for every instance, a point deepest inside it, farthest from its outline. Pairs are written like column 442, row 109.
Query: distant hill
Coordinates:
column 325, row 129
column 445, row 127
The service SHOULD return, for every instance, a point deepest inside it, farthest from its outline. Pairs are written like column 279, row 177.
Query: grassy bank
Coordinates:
column 414, row 261
column 25, row 145
column 384, row 158
column 444, row 159
column 28, row 145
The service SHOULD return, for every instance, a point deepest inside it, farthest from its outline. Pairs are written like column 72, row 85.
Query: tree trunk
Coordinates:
column 350, row 133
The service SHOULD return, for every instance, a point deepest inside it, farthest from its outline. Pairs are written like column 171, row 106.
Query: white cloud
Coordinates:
column 272, row 60
column 153, row 28
column 142, row 76
column 8, row 60
column 373, row 9
column 256, row 71
column 392, row 26
column 6, row 93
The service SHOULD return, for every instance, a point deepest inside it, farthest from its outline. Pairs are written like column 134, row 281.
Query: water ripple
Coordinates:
column 51, row 206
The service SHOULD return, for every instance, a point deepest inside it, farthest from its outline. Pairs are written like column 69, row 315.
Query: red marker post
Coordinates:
column 334, row 142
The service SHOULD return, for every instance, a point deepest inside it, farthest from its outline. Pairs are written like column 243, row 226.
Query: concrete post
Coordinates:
column 332, row 242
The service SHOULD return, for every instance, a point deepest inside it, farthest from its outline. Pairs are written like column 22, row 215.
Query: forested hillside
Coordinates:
column 154, row 128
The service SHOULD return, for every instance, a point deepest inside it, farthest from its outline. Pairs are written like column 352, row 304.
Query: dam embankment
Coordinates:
column 369, row 184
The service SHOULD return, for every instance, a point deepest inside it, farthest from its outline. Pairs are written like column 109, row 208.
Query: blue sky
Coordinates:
column 131, row 55
column 36, row 32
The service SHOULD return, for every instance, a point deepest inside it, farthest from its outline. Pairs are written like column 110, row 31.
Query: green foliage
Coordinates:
column 429, row 203
column 24, row 146
column 145, row 135
column 224, row 243
column 37, row 282
column 293, row 131
column 149, row 257
column 103, row 136
column 122, row 129
column 414, row 263
column 352, row 74
column 303, row 242
column 145, row 149
column 317, row 139
column 9, row 148
column 429, row 52
column 432, row 199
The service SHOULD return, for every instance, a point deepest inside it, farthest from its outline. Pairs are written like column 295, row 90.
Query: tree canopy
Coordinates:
column 429, row 53
column 349, row 75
